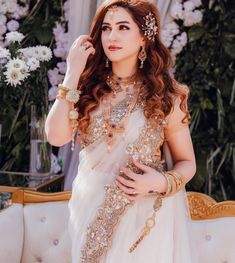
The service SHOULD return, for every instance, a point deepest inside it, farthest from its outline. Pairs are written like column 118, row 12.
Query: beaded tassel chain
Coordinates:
column 149, row 223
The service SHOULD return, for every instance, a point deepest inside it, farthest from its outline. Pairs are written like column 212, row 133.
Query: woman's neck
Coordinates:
column 124, row 69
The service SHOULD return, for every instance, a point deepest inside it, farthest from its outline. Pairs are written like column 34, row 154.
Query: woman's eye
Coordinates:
column 124, row 27
column 104, row 28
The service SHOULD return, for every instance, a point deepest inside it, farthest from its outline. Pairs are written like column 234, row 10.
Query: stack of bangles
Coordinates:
column 72, row 96
column 176, row 182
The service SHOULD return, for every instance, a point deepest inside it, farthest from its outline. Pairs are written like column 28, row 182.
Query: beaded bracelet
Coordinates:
column 73, row 97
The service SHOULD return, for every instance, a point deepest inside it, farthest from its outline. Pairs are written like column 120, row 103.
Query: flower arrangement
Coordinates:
column 11, row 12
column 23, row 83
column 16, row 64
column 184, row 14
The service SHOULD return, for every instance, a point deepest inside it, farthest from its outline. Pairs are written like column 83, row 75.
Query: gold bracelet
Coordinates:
column 73, row 97
column 168, row 191
column 177, row 181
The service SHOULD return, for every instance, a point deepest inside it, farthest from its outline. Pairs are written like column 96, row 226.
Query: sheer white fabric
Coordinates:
column 168, row 241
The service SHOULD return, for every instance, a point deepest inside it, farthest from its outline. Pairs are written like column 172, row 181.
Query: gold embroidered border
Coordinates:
column 100, row 232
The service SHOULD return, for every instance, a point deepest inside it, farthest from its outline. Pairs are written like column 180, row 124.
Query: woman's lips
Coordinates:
column 113, row 48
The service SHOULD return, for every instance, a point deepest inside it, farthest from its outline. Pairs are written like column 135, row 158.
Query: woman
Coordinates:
column 126, row 206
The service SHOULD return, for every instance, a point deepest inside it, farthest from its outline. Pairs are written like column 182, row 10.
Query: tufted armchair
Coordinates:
column 34, row 228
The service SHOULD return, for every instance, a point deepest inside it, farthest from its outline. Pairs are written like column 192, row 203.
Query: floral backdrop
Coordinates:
column 200, row 35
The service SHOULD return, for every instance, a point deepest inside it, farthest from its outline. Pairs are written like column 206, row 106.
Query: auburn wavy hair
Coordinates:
column 161, row 87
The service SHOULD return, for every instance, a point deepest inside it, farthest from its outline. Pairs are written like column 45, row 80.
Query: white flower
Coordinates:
column 3, row 8
column 54, row 77
column 3, row 29
column 33, row 64
column 16, row 63
column 3, row 19
column 11, row 6
column 42, row 53
column 12, row 25
column 62, row 66
column 45, row 52
column 168, row 32
column 176, row 11
column 14, row 37
column 52, row 93
column 4, row 53
column 192, row 18
column 60, row 52
column 197, row 3
column 189, row 6
column 26, row 52
column 14, row 76
column 179, row 43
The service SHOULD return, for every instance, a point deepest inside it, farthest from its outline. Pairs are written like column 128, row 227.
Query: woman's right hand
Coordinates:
column 78, row 54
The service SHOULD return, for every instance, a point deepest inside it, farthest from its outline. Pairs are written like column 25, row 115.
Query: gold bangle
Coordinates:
column 177, row 181
column 73, row 97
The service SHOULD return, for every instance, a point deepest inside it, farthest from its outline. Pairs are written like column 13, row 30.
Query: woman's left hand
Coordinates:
column 142, row 183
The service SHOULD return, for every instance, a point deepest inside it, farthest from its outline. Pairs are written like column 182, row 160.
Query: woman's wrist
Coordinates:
column 161, row 186
column 70, row 81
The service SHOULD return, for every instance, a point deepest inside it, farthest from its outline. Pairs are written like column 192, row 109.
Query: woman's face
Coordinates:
column 121, row 38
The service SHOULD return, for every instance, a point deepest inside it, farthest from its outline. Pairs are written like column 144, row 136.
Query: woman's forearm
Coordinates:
column 186, row 168
column 57, row 127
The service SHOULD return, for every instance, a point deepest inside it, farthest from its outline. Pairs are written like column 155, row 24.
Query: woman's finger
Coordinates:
column 130, row 174
column 142, row 167
column 126, row 189
column 125, row 181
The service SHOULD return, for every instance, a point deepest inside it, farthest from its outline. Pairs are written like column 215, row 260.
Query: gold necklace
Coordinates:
column 112, row 128
column 117, row 83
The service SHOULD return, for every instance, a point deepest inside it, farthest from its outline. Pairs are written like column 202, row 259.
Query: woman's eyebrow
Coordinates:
column 120, row 22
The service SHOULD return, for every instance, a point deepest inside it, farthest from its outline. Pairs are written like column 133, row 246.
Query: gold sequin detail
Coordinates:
column 100, row 232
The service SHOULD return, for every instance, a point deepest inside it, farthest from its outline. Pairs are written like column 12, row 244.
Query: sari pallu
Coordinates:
column 103, row 225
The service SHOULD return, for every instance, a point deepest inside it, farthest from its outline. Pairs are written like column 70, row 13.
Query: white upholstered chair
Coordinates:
column 34, row 228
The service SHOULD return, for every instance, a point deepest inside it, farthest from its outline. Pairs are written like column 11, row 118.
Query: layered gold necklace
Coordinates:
column 112, row 127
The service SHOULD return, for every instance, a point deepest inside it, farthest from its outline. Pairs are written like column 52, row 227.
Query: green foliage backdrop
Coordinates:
column 207, row 65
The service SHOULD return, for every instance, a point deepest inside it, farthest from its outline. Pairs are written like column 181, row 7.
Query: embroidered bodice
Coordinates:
column 147, row 146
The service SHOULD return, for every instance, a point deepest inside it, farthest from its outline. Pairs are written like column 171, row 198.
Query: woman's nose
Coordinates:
column 112, row 35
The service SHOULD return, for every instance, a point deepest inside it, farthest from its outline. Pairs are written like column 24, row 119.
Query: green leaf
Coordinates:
column 195, row 33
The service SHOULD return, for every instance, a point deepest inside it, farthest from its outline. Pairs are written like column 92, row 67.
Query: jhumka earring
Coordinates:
column 142, row 56
column 107, row 63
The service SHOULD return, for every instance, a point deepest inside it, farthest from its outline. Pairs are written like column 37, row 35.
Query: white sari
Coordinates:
column 114, row 227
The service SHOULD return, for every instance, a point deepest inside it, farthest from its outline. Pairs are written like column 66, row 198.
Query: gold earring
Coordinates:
column 107, row 63
column 142, row 56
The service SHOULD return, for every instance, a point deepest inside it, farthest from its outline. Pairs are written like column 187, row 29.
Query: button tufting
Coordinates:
column 39, row 259
column 43, row 219
column 208, row 237
column 56, row 242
